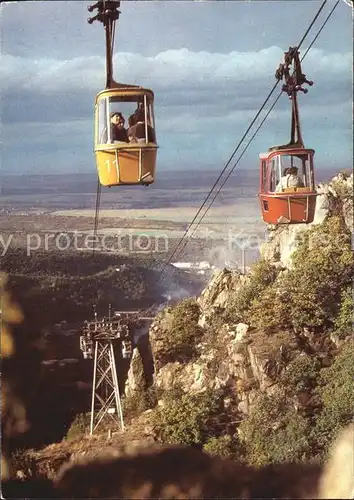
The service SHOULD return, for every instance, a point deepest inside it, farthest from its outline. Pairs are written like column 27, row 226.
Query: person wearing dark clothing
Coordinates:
column 140, row 132
column 119, row 133
column 137, row 130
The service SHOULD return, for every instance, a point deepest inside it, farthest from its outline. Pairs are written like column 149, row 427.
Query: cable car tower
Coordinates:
column 287, row 187
column 99, row 341
column 125, row 140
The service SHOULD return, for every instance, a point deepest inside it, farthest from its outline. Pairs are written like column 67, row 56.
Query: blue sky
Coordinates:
column 211, row 64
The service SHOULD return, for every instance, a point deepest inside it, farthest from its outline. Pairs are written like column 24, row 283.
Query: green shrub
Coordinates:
column 323, row 265
column 336, row 390
column 343, row 190
column 138, row 402
column 344, row 321
column 180, row 344
column 301, row 375
column 274, row 432
column 225, row 446
column 263, row 274
column 186, row 418
column 79, row 427
column 270, row 310
column 309, row 295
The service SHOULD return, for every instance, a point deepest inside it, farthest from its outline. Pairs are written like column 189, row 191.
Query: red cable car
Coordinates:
column 287, row 187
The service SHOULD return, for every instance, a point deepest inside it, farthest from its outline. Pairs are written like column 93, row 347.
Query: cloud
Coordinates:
column 203, row 104
column 208, row 82
column 173, row 69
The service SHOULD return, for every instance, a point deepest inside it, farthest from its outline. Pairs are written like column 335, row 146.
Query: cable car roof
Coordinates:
column 122, row 88
column 287, row 151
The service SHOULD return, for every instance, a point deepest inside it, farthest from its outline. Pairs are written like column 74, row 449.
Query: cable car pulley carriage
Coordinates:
column 287, row 187
column 125, row 140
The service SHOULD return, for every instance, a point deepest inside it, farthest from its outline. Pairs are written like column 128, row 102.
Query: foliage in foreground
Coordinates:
column 344, row 321
column 139, row 402
column 226, row 446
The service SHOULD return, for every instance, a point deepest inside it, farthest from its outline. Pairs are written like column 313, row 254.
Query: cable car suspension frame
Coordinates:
column 108, row 14
column 294, row 79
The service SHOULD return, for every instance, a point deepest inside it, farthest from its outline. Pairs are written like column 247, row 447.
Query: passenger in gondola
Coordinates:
column 290, row 179
column 119, row 133
column 137, row 130
column 283, row 183
column 130, row 131
column 294, row 180
column 140, row 132
column 138, row 114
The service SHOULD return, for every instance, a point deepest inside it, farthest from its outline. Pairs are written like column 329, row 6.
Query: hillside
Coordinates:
column 257, row 369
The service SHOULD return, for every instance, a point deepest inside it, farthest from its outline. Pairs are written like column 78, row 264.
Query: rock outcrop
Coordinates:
column 234, row 356
column 243, row 361
column 217, row 294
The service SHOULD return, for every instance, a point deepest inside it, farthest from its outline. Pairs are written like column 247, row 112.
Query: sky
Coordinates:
column 210, row 63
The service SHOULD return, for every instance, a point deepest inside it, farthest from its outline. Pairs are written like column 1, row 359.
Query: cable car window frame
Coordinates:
column 146, row 119
column 137, row 99
column 280, row 167
column 108, row 122
column 273, row 168
column 276, row 161
column 152, row 115
column 101, row 123
column 104, row 110
column 263, row 175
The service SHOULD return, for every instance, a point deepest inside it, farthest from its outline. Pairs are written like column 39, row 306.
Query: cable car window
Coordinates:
column 128, row 119
column 274, row 174
column 102, row 136
column 152, row 117
column 292, row 172
column 264, row 176
column 311, row 177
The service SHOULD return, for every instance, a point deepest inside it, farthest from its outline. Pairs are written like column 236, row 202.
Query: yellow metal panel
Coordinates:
column 122, row 165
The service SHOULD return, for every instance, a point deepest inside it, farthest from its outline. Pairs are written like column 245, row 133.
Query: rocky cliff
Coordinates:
column 248, row 359
column 273, row 333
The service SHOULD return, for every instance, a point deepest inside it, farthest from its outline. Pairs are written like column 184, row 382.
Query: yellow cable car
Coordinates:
column 125, row 155
column 125, row 139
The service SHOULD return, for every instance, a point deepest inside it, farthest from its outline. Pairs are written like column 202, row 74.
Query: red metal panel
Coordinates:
column 288, row 209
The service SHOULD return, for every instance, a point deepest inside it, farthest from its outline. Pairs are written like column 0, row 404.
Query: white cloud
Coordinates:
column 202, row 100
column 169, row 69
column 200, row 84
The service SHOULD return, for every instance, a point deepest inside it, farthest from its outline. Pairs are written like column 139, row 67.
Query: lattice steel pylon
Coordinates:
column 105, row 387
column 98, row 341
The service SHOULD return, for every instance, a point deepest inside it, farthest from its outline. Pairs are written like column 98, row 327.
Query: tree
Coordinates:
column 180, row 342
column 275, row 432
column 309, row 294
